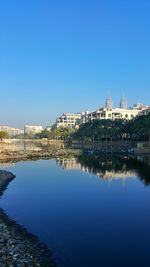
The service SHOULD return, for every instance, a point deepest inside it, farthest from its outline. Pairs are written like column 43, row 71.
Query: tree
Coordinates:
column 3, row 135
column 139, row 128
column 135, row 129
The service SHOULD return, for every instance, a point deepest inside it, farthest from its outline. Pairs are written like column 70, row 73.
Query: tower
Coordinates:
column 123, row 103
column 109, row 103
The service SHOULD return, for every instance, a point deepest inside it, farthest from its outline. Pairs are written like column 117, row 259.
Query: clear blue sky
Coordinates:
column 67, row 56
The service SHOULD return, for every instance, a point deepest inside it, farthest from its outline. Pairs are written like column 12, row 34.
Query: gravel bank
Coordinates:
column 18, row 248
column 27, row 155
column 5, row 179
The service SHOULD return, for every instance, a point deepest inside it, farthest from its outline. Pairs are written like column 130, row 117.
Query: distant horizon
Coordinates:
column 50, row 124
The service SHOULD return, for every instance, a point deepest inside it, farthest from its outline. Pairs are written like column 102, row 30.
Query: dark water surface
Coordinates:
column 90, row 212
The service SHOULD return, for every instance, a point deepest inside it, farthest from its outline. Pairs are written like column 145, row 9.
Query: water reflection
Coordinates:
column 4, row 165
column 110, row 168
column 81, row 218
column 34, row 145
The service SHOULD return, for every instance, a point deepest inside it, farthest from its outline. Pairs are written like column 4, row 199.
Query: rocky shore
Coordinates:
column 18, row 248
column 41, row 154
column 5, row 179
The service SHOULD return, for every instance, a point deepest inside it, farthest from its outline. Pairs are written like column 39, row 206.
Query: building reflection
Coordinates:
column 29, row 145
column 75, row 164
column 69, row 163
column 110, row 168
column 6, row 164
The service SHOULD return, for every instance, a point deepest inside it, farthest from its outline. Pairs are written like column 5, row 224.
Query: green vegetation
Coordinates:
column 98, row 130
column 139, row 128
column 61, row 133
column 109, row 163
column 3, row 135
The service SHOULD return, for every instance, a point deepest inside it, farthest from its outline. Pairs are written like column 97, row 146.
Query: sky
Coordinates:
column 67, row 56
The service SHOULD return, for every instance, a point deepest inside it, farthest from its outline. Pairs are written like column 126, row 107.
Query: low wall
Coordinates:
column 106, row 144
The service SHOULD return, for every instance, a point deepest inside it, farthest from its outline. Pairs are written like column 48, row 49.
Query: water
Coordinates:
column 29, row 144
column 90, row 212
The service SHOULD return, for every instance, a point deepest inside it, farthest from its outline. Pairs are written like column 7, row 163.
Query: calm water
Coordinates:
column 90, row 212
column 34, row 145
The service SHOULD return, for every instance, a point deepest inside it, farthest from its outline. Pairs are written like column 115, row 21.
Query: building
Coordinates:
column 145, row 111
column 10, row 130
column 113, row 114
column 123, row 103
column 108, row 112
column 140, row 106
column 109, row 103
column 32, row 129
column 48, row 128
column 85, row 117
column 68, row 120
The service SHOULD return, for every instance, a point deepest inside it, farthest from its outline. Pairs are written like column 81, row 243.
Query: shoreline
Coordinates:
column 25, row 155
column 35, row 155
column 17, row 246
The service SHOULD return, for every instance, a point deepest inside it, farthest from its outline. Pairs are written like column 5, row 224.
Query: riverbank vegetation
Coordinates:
column 61, row 133
column 99, row 130
column 3, row 135
column 137, row 129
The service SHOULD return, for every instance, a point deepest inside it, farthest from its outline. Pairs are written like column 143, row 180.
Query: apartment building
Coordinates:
column 10, row 130
column 145, row 111
column 32, row 129
column 111, row 113
column 68, row 120
column 103, row 113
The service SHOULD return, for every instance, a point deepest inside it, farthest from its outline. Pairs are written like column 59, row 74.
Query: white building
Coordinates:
column 68, row 120
column 10, row 130
column 108, row 112
column 145, row 111
column 140, row 106
column 48, row 128
column 85, row 117
column 32, row 129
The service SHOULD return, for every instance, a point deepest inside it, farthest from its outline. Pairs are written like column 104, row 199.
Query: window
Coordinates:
column 103, row 114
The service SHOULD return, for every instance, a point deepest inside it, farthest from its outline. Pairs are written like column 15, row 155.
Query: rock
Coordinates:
column 17, row 246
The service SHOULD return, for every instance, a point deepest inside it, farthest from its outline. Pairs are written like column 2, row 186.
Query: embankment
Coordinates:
column 41, row 154
column 18, row 247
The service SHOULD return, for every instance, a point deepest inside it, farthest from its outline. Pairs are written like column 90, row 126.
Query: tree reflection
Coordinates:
column 110, row 167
